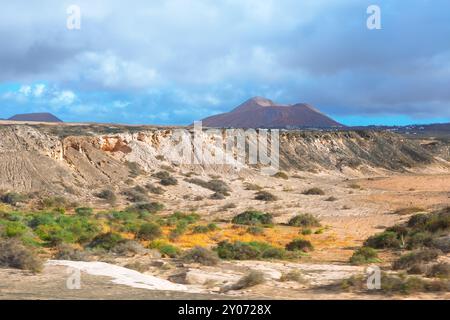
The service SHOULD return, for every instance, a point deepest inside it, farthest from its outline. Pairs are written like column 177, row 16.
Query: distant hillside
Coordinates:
column 38, row 117
column 263, row 113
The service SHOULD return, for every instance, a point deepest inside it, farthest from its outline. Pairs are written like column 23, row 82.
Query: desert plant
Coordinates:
column 151, row 207
column 71, row 253
column 106, row 241
column 386, row 239
column 314, row 192
column 252, row 187
column 154, row 189
column 201, row 255
column 128, row 247
column 107, row 195
column 171, row 181
column 253, row 278
column 253, row 218
column 84, row 211
column 13, row 254
column 149, row 231
column 409, row 210
column 440, row 270
column 265, row 196
column 420, row 256
column 13, row 198
column 166, row 249
column 364, row 255
column 294, row 276
column 304, row 220
column 255, row 230
column 300, row 245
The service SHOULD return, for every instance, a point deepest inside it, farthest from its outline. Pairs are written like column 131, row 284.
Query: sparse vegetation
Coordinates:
column 364, row 255
column 107, row 195
column 106, row 241
column 386, row 239
column 293, row 276
column 314, row 192
column 300, row 245
column 13, row 198
column 248, row 251
column 165, row 178
column 166, row 249
column 201, row 255
column 409, row 260
column 216, row 185
column 253, row 278
column 304, row 220
column 149, row 231
column 154, row 189
column 13, row 254
column 253, row 218
column 255, row 230
column 408, row 211
column 265, row 196
column 84, row 211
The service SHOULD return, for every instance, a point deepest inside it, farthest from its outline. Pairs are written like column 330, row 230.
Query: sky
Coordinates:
column 176, row 61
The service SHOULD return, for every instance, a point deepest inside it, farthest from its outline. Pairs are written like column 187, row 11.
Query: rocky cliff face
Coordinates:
column 36, row 158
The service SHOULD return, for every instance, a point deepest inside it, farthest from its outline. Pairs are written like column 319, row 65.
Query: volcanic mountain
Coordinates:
column 260, row 112
column 35, row 117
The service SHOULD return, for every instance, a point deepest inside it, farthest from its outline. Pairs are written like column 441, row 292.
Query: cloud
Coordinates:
column 166, row 57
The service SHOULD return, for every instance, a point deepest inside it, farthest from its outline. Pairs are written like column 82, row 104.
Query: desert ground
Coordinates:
column 353, row 205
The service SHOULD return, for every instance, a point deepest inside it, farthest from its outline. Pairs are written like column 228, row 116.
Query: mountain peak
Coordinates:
column 259, row 112
column 35, row 117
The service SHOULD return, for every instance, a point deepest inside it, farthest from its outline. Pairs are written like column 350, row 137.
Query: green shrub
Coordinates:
column 180, row 229
column 304, row 220
column 255, row 230
column 306, row 232
column 420, row 256
column 84, row 212
column 265, row 196
column 165, row 249
column 300, row 245
column 106, row 241
column 151, row 207
column 386, row 239
column 13, row 254
column 253, row 218
column 200, row 229
column 294, row 276
column 253, row 278
column 13, row 198
column 419, row 240
column 237, row 251
column 107, row 195
column 215, row 185
column 54, row 202
column 440, row 270
column 135, row 196
column 161, row 175
column 13, row 229
column 149, row 231
column 248, row 251
column 314, row 192
column 154, row 189
column 128, row 247
column 171, row 181
column 201, row 255
column 364, row 255
column 188, row 218
column 70, row 253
